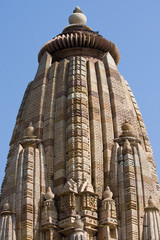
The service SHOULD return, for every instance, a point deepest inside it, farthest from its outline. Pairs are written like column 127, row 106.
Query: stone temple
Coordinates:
column 80, row 164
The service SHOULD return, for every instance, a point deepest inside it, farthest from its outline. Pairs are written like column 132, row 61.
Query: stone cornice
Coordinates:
column 79, row 39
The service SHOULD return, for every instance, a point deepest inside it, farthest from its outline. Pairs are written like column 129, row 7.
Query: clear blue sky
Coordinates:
column 134, row 26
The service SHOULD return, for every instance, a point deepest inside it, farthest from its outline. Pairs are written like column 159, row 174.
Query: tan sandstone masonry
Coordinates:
column 80, row 164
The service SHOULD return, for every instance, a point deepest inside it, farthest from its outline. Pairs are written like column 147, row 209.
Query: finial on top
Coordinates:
column 77, row 18
column 77, row 10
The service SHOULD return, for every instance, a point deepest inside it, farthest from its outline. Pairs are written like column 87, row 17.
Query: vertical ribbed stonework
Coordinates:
column 59, row 163
column 36, row 194
column 106, row 118
column 139, row 191
column 121, row 109
column 78, row 148
column 34, row 110
column 49, row 117
column 27, row 201
column 130, row 192
column 19, row 193
column 95, row 130
column 121, row 194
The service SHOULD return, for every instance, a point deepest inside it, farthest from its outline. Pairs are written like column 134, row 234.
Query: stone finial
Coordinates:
column 77, row 18
column 77, row 10
column 30, row 130
column 107, row 193
column 49, row 194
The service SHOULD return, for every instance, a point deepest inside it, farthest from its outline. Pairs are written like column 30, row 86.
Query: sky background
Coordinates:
column 134, row 26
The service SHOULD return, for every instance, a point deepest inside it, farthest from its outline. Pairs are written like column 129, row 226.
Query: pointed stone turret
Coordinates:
column 79, row 146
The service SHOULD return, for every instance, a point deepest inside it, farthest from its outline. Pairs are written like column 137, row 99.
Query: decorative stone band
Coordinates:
column 79, row 39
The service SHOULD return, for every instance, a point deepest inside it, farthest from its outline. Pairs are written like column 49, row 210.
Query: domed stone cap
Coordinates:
column 107, row 194
column 77, row 17
column 49, row 194
column 77, row 39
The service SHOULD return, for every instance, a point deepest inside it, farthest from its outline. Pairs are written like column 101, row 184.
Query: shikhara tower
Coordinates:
column 80, row 165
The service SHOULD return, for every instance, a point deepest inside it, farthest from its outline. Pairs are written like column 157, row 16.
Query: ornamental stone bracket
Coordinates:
column 29, row 140
column 82, row 201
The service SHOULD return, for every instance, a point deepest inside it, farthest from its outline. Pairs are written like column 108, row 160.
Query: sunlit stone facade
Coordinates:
column 80, row 165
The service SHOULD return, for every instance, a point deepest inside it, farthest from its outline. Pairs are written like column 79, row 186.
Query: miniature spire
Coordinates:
column 77, row 18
